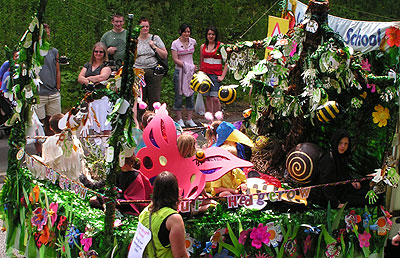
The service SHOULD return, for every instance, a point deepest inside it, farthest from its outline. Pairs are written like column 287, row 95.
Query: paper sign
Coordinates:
column 276, row 26
column 140, row 240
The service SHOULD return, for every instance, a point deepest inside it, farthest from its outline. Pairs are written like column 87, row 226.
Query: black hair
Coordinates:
column 183, row 27
column 214, row 29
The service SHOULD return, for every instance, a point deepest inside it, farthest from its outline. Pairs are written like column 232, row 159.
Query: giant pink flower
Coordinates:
column 86, row 242
column 364, row 239
column 259, row 235
column 53, row 212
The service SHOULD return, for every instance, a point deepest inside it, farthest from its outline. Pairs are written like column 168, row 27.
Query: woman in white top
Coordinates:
column 182, row 50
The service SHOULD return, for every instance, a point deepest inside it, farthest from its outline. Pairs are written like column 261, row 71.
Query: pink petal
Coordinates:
column 54, row 208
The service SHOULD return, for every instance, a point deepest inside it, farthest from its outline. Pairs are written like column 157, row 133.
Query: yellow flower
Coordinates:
column 381, row 115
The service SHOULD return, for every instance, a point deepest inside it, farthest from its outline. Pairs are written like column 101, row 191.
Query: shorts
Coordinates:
column 49, row 105
column 179, row 97
column 214, row 88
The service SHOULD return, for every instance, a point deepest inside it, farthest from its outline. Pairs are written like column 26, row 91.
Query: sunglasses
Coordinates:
column 96, row 51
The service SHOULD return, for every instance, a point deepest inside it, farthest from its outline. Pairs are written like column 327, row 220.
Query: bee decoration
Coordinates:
column 227, row 94
column 328, row 111
column 201, row 82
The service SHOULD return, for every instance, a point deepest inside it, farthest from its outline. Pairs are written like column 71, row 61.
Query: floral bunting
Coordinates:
column 64, row 182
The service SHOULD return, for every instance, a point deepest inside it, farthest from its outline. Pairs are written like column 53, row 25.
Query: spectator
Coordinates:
column 147, row 46
column 182, row 50
column 211, row 64
column 166, row 225
column 115, row 39
column 93, row 73
column 396, row 239
column 49, row 91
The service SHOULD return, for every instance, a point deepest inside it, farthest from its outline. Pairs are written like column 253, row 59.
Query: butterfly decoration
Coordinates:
column 161, row 154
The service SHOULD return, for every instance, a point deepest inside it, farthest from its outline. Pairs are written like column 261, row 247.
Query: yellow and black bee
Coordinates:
column 328, row 111
column 227, row 94
column 200, row 156
column 200, row 82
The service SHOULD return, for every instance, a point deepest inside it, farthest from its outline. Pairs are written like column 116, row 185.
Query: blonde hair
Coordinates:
column 105, row 57
column 211, row 132
column 186, row 145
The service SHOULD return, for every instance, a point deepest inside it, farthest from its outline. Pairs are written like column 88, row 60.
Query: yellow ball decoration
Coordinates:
column 227, row 94
column 200, row 82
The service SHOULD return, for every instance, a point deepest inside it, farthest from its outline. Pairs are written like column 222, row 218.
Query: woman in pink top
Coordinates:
column 211, row 64
column 182, row 50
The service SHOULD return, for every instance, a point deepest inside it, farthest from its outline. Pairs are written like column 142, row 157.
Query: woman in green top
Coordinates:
column 167, row 227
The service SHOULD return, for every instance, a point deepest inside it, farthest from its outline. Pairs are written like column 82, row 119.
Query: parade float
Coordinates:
column 311, row 83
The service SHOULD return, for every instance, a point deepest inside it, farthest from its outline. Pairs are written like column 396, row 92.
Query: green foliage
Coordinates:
column 77, row 24
column 71, row 90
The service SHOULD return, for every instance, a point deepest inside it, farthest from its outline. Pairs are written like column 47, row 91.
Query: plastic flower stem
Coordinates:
column 327, row 237
column 295, row 231
column 47, row 208
column 343, row 244
column 276, row 251
column 328, row 218
column 336, row 221
column 285, row 239
column 234, row 239
column 80, row 249
column 319, row 246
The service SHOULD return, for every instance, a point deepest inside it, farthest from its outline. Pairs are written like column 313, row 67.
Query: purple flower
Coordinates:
column 259, row 235
column 40, row 218
column 72, row 233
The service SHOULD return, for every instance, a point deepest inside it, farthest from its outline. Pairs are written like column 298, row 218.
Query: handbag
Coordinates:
column 163, row 62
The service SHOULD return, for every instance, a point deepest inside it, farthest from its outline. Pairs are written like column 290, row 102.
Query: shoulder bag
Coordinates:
column 163, row 62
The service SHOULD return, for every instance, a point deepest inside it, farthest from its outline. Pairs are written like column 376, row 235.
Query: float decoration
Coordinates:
column 161, row 154
column 308, row 70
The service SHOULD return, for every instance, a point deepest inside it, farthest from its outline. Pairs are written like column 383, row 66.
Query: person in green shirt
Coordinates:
column 167, row 226
column 115, row 39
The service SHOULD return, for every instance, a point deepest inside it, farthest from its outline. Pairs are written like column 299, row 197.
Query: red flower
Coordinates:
column 44, row 235
column 393, row 36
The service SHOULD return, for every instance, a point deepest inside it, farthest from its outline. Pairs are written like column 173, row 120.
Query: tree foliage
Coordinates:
column 77, row 24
